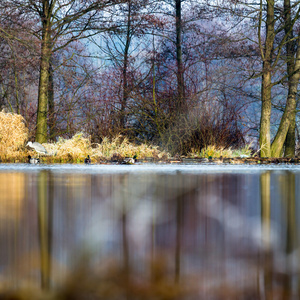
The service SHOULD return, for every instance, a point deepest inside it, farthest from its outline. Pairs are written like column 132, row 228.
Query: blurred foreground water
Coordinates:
column 150, row 231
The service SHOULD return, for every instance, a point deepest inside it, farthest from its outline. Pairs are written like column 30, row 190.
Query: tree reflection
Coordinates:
column 179, row 224
column 291, row 232
column 201, row 232
column 124, row 224
column 45, row 215
column 284, row 273
column 267, row 257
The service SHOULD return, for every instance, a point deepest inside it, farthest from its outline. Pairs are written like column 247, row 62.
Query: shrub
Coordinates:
column 197, row 132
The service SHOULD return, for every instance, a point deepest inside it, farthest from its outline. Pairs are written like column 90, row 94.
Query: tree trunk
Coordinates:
column 41, row 126
column 51, row 122
column 293, row 66
column 290, row 142
column 125, row 69
column 181, row 105
column 277, row 145
column 267, row 52
column 264, row 134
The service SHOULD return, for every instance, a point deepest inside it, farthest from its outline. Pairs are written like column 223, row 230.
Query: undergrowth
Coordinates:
column 14, row 136
column 216, row 152
column 79, row 146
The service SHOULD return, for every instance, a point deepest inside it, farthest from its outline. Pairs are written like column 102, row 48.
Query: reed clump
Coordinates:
column 13, row 135
column 69, row 150
column 79, row 146
column 122, row 147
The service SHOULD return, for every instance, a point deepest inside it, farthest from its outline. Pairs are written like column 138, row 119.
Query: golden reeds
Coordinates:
column 69, row 150
column 13, row 135
column 124, row 148
column 79, row 146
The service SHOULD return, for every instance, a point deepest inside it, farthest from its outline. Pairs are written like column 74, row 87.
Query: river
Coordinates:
column 215, row 231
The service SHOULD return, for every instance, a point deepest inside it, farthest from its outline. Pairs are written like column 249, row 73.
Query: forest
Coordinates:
column 179, row 74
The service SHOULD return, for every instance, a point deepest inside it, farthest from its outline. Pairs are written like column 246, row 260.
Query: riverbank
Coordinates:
column 169, row 160
column 14, row 136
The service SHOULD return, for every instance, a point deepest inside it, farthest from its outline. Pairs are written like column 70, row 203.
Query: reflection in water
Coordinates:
column 179, row 229
column 289, row 204
column 11, row 192
column 280, row 258
column 222, row 235
column 265, row 190
column 45, row 225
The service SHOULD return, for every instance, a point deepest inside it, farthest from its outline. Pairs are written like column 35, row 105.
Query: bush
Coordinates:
column 197, row 131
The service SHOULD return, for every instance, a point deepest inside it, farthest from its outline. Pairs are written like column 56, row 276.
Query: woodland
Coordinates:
column 179, row 74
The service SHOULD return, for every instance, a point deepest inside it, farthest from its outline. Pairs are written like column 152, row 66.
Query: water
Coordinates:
column 221, row 232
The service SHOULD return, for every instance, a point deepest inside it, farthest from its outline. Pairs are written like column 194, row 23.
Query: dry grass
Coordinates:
column 216, row 152
column 69, row 150
column 13, row 135
column 79, row 146
column 124, row 148
column 13, row 132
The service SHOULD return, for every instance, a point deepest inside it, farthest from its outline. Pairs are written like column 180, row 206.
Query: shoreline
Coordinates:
column 171, row 160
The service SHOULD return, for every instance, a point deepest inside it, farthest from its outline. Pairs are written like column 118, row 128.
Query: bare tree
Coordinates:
column 123, row 48
column 18, row 61
column 286, row 131
column 266, row 86
column 60, row 23
column 276, row 23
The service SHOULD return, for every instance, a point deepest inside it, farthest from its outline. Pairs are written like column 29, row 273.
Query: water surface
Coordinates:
column 213, row 227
